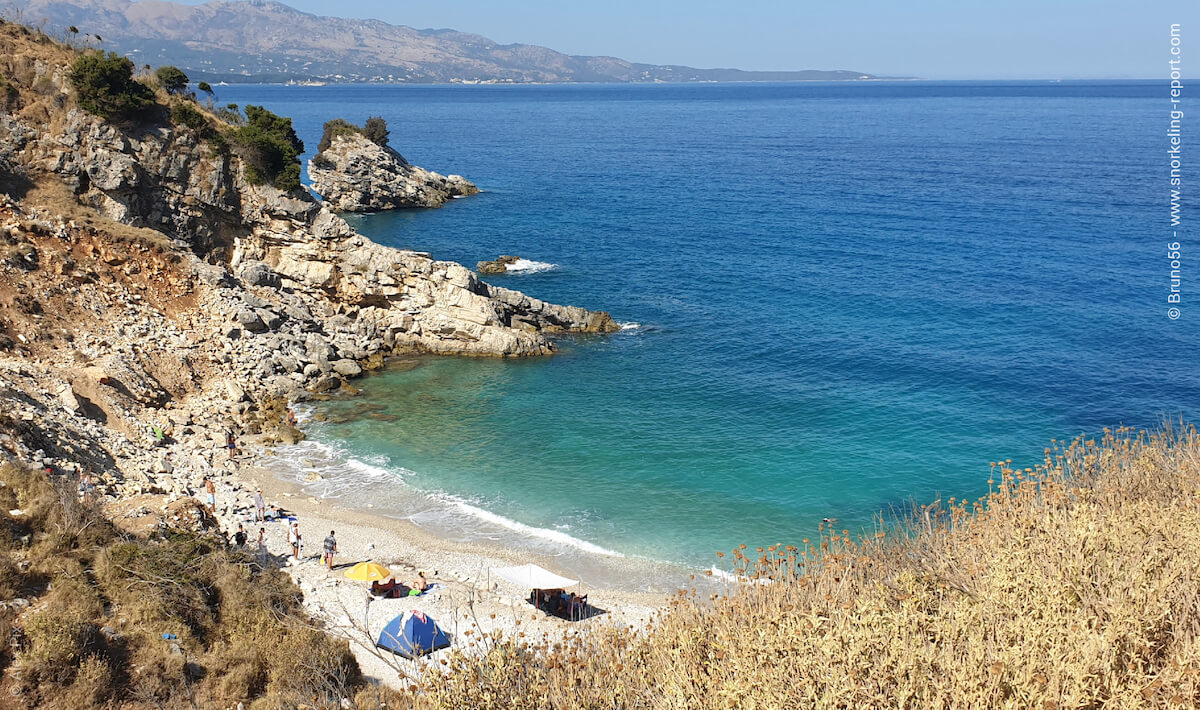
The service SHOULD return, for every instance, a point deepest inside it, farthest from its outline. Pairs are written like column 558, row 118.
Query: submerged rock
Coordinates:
column 354, row 174
column 497, row 266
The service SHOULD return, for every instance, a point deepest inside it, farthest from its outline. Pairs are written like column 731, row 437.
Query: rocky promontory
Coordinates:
column 356, row 174
column 149, row 278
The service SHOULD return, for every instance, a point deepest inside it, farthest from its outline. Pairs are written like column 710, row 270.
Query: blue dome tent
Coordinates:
column 412, row 634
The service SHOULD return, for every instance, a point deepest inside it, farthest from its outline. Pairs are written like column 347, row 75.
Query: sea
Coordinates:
column 837, row 300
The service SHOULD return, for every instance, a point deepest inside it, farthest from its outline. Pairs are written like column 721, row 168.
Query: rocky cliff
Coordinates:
column 285, row 248
column 354, row 174
column 144, row 280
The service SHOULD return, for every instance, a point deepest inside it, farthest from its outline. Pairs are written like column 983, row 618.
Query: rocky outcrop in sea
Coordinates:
column 499, row 265
column 287, row 250
column 354, row 174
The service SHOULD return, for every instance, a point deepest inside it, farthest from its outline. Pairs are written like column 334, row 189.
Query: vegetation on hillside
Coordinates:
column 172, row 79
column 183, row 113
column 177, row 621
column 104, row 85
column 333, row 128
column 270, row 149
column 375, row 130
column 107, row 85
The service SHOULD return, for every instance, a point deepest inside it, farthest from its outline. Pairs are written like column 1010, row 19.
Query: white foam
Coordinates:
column 376, row 473
column 300, row 453
column 630, row 326
column 341, row 472
column 528, row 266
column 551, row 535
column 737, row 578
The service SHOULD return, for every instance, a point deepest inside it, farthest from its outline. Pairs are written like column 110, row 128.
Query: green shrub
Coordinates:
column 218, row 142
column 288, row 179
column 270, row 149
column 185, row 114
column 58, row 639
column 45, row 86
column 230, row 114
column 10, row 98
column 93, row 684
column 172, row 79
column 334, row 128
column 105, row 87
column 376, row 130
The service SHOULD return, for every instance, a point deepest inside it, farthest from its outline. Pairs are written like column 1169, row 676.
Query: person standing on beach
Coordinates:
column 239, row 537
column 291, row 418
column 260, row 507
column 231, row 442
column 294, row 540
column 330, row 549
column 262, row 545
column 211, row 495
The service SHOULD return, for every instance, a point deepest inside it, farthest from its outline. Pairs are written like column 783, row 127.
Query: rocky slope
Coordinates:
column 354, row 174
column 144, row 282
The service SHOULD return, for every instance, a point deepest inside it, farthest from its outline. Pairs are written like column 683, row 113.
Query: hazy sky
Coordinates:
column 936, row 39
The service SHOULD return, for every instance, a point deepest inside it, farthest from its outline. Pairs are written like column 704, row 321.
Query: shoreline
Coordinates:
column 469, row 602
column 317, row 469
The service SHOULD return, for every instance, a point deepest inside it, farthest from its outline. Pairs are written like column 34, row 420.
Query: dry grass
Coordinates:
column 101, row 604
column 1072, row 585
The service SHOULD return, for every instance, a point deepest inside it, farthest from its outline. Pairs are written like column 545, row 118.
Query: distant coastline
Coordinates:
column 225, row 41
column 269, row 80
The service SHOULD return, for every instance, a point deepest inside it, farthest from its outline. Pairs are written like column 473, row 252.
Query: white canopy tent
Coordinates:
column 534, row 577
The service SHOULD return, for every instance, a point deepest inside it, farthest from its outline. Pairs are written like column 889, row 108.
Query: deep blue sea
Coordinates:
column 846, row 297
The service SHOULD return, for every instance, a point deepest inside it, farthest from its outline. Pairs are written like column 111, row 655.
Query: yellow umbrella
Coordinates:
column 368, row 572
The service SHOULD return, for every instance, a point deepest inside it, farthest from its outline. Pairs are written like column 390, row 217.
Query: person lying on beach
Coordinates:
column 390, row 589
column 421, row 584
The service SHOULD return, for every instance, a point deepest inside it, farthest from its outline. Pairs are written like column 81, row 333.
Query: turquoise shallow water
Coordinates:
column 846, row 296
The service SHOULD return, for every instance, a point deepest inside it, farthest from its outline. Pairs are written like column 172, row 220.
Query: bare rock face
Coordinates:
column 357, row 175
column 393, row 301
column 231, row 300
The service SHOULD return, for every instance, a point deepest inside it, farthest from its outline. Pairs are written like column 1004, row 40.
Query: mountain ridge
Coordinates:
column 241, row 41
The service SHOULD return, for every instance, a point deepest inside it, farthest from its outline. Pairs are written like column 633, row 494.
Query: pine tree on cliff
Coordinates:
column 376, row 130
column 104, row 86
column 270, row 149
column 172, row 79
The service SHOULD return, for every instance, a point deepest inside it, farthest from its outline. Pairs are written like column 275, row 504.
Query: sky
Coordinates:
column 933, row 39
